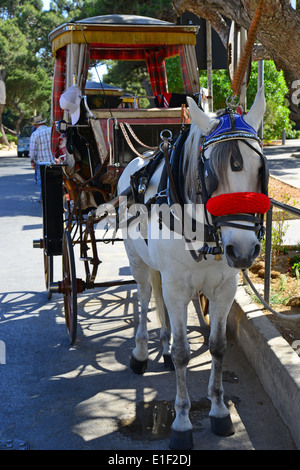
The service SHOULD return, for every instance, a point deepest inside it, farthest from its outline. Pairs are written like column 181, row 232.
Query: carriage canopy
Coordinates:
column 79, row 45
column 76, row 45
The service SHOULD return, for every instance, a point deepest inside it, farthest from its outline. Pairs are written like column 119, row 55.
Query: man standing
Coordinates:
column 40, row 147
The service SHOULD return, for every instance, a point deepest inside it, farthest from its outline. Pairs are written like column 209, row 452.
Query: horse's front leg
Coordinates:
column 139, row 356
column 181, row 432
column 140, row 272
column 221, row 423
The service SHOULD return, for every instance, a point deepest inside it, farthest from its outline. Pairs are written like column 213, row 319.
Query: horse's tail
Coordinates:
column 161, row 310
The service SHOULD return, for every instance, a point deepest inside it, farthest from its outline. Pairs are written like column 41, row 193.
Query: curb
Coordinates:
column 275, row 362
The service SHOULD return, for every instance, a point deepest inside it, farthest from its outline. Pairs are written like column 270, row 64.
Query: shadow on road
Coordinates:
column 62, row 394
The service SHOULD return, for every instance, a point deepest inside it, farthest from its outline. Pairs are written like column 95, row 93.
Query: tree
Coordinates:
column 12, row 49
column 28, row 93
column 278, row 32
column 277, row 114
column 131, row 76
column 26, row 60
column 161, row 9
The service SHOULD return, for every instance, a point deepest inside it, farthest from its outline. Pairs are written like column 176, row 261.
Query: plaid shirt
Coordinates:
column 40, row 145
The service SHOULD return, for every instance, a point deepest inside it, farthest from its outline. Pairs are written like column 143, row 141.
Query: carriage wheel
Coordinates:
column 48, row 271
column 204, row 305
column 69, row 286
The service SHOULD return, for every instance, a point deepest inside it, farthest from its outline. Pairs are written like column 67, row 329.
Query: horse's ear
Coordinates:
column 203, row 121
column 257, row 111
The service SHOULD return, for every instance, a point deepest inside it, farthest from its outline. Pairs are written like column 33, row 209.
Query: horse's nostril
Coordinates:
column 230, row 251
column 256, row 250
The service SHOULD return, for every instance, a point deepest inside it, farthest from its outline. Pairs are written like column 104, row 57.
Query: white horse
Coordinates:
column 165, row 266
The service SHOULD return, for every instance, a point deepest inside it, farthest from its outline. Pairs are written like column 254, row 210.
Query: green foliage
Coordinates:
column 275, row 120
column 279, row 230
column 13, row 43
column 28, row 91
column 295, row 269
column 161, row 9
column 277, row 114
column 174, row 75
column 132, row 77
column 294, row 261
column 221, row 87
column 26, row 58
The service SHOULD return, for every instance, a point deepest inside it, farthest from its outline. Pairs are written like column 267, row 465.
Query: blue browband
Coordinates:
column 225, row 125
column 231, row 127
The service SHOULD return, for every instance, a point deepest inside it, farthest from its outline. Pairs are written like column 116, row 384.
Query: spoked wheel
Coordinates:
column 69, row 198
column 69, row 286
column 48, row 271
column 89, row 253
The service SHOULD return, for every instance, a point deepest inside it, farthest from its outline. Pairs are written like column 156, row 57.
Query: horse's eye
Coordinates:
column 236, row 164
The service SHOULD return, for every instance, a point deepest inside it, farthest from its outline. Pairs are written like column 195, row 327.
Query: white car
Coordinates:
column 23, row 142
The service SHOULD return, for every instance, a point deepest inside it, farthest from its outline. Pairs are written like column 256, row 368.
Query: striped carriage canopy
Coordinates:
column 121, row 37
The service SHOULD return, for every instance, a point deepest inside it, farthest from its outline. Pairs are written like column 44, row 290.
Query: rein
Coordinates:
column 202, row 252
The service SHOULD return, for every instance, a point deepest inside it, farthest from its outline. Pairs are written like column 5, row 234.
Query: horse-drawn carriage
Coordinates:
column 98, row 129
column 208, row 175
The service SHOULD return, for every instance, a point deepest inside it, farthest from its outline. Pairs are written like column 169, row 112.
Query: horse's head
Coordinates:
column 234, row 175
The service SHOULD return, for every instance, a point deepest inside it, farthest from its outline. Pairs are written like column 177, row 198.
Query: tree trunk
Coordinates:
column 279, row 28
column 10, row 131
column 19, row 121
column 278, row 32
column 3, row 138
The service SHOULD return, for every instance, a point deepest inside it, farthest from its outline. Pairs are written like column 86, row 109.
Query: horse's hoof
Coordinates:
column 222, row 426
column 181, row 440
column 138, row 367
column 168, row 362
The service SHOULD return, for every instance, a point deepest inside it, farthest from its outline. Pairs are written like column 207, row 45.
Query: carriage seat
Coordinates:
column 143, row 114
column 170, row 100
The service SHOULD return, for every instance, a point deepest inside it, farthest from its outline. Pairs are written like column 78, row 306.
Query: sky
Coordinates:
column 46, row 4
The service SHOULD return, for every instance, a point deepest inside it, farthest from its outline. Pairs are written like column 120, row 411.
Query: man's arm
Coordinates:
column 32, row 150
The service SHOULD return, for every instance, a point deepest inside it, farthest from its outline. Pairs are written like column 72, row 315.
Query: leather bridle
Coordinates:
column 239, row 132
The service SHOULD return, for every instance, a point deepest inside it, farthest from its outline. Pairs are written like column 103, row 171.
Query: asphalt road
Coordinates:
column 284, row 161
column 57, row 397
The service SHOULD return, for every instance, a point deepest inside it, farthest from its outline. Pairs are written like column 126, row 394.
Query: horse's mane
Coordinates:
column 219, row 159
column 190, row 165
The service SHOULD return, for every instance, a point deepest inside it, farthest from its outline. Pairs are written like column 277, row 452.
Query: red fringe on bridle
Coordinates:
column 238, row 203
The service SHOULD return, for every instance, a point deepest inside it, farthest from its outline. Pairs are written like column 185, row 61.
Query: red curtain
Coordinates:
column 155, row 59
column 57, row 89
column 157, row 71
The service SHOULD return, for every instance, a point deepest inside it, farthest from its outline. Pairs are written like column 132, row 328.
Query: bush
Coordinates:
column 275, row 120
column 12, row 139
